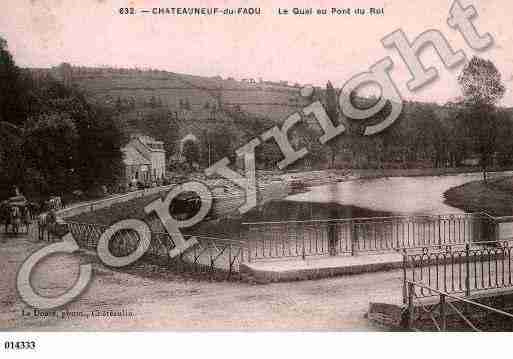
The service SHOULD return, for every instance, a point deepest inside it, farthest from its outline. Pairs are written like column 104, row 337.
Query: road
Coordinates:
column 151, row 298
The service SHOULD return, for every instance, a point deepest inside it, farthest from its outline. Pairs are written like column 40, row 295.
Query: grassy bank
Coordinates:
column 420, row 172
column 494, row 197
column 327, row 176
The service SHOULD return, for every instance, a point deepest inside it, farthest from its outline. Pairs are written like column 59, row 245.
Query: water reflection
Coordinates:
column 398, row 195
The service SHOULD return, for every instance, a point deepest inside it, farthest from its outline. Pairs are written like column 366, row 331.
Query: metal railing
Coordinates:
column 363, row 235
column 15, row 229
column 464, row 268
column 446, row 313
column 211, row 255
column 89, row 206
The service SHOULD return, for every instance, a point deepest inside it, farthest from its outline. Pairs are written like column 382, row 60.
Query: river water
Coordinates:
column 397, row 195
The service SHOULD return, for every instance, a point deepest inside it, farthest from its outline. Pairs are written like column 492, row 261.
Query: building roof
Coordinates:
column 151, row 143
column 132, row 157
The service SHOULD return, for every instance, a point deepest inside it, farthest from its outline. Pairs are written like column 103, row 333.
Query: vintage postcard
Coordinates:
column 255, row 166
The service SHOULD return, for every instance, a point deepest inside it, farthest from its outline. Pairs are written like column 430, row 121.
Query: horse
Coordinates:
column 26, row 217
column 11, row 216
column 5, row 215
column 16, row 219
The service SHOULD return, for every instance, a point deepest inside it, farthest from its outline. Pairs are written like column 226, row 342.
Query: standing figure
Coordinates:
column 15, row 220
column 46, row 224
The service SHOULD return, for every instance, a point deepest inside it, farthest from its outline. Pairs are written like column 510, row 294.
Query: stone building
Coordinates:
column 144, row 159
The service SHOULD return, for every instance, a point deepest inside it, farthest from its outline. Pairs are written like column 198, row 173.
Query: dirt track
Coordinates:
column 162, row 301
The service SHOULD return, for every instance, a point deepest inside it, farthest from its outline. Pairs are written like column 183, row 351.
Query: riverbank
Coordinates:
column 323, row 177
column 361, row 193
column 494, row 197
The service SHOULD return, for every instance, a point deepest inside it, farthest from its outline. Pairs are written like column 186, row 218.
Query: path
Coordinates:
column 163, row 301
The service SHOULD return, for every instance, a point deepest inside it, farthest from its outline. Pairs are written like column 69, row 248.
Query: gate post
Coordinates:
column 411, row 307
column 243, row 243
column 405, row 294
column 467, row 269
column 443, row 319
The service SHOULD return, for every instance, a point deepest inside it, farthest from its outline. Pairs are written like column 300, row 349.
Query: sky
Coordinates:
column 304, row 49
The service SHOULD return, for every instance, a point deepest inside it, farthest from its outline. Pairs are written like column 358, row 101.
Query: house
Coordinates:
column 144, row 159
column 472, row 161
column 210, row 113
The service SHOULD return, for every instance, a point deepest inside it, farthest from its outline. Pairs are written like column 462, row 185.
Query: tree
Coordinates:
column 333, row 114
column 160, row 124
column 119, row 105
column 482, row 88
column 332, row 111
column 481, row 83
column 184, row 104
column 13, row 113
column 425, row 135
column 12, row 96
column 11, row 158
column 49, row 146
column 99, row 158
column 304, row 136
column 191, row 152
column 53, row 138
column 217, row 142
column 267, row 155
column 153, row 102
column 504, row 138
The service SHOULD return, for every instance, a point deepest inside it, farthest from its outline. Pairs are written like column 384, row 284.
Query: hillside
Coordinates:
column 225, row 113
column 270, row 99
column 170, row 106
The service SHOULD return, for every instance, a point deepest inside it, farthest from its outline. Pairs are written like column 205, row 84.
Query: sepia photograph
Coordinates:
column 234, row 166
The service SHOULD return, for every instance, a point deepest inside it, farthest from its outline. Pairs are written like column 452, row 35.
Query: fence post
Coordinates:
column 439, row 231
column 404, row 277
column 411, row 307
column 230, row 264
column 443, row 319
column 467, row 269
column 353, row 236
column 303, row 250
column 332, row 238
column 242, row 246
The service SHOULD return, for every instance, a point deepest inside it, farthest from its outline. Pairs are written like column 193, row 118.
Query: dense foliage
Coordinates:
column 54, row 140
